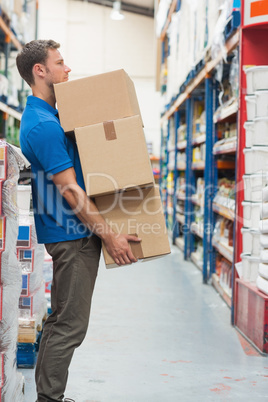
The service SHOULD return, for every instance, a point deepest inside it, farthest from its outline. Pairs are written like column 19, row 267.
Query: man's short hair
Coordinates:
column 32, row 53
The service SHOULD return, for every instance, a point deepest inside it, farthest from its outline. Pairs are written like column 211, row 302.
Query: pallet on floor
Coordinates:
column 29, row 327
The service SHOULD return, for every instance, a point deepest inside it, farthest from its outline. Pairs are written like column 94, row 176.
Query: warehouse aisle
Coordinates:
column 158, row 335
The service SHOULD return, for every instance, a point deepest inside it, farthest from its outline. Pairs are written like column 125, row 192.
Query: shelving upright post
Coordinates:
column 188, row 238
column 208, row 176
column 175, row 224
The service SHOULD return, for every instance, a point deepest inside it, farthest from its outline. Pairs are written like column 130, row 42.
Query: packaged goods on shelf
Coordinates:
column 24, row 199
column 162, row 12
column 223, row 231
column 255, row 132
column 3, row 88
column 25, row 259
column 171, row 160
column 136, row 212
column 262, row 284
column 263, row 270
column 173, row 32
column 32, row 280
column 182, row 132
column 199, row 153
column 256, row 159
column 250, row 267
column 96, row 99
column 218, row 40
column 119, row 159
column 257, row 78
column 3, row 160
column 251, row 214
column 251, row 241
column 227, row 130
column 170, row 182
column 264, row 257
column 254, row 187
column 226, row 276
column 181, row 160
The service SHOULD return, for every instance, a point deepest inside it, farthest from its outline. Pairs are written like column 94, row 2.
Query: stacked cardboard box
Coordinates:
column 103, row 113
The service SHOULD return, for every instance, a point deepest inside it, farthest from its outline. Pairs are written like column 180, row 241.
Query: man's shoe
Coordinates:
column 68, row 400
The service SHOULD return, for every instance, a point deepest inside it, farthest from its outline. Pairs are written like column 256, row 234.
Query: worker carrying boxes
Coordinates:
column 103, row 114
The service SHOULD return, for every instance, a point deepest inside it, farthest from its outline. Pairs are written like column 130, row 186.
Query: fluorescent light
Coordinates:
column 116, row 12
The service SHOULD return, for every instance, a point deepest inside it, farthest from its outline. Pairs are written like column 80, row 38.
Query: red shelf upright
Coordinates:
column 253, row 51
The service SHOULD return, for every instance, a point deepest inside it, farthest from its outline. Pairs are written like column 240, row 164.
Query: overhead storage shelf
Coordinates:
column 10, row 111
column 10, row 34
column 225, row 112
column 230, row 45
column 223, row 211
column 223, row 248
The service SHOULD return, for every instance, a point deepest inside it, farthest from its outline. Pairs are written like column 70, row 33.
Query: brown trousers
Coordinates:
column 75, row 267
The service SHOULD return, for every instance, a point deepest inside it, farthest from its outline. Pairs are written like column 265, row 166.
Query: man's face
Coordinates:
column 56, row 70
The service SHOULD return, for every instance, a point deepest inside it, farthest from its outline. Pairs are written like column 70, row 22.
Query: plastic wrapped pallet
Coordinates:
column 13, row 382
column 10, row 164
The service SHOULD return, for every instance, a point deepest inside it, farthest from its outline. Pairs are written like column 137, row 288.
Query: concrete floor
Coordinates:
column 157, row 334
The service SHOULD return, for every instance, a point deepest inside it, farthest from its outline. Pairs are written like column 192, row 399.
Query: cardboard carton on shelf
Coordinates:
column 137, row 212
column 114, row 156
column 95, row 99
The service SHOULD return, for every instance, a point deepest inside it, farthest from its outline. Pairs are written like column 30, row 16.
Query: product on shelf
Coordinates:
column 181, row 160
column 226, row 276
column 182, row 132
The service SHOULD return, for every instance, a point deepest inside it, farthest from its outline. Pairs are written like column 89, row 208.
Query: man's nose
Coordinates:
column 67, row 69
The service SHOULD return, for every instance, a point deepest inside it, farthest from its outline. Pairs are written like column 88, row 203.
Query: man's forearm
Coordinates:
column 86, row 210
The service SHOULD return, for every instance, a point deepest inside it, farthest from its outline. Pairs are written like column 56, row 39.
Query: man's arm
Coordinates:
column 86, row 210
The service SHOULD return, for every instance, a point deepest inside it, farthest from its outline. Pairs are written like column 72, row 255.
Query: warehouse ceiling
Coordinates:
column 142, row 7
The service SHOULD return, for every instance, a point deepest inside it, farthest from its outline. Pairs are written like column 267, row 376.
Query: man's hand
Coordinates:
column 86, row 210
column 119, row 249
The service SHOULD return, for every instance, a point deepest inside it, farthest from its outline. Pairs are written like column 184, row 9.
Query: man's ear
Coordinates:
column 39, row 70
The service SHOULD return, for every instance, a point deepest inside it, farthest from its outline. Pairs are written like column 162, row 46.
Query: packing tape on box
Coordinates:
column 136, row 248
column 109, row 130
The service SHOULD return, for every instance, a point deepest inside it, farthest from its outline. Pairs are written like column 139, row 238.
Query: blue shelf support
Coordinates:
column 208, row 176
column 177, row 118
column 167, row 171
column 188, row 176
column 161, row 162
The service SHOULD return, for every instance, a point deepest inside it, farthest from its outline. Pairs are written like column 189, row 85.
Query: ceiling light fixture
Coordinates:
column 116, row 14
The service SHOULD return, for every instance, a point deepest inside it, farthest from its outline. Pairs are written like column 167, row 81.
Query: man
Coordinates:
column 64, row 217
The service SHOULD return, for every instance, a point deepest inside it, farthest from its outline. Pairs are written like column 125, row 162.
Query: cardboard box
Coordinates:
column 95, row 99
column 114, row 156
column 138, row 212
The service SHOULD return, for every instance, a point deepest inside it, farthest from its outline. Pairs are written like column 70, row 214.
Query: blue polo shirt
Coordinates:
column 49, row 151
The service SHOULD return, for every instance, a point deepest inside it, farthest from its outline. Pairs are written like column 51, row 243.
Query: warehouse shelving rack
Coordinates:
column 8, row 42
column 200, row 78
